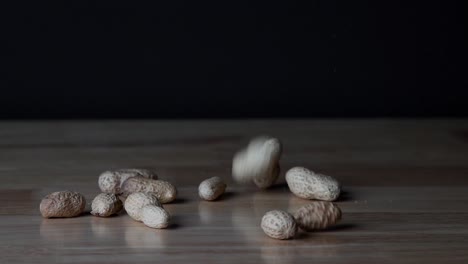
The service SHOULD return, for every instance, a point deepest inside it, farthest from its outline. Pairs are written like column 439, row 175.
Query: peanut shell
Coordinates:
column 136, row 201
column 310, row 185
column 111, row 181
column 258, row 162
column 210, row 189
column 155, row 216
column 165, row 191
column 106, row 204
column 62, row 204
column 317, row 215
column 279, row 225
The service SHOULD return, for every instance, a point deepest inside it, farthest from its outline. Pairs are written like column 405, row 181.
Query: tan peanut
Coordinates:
column 111, row 181
column 62, row 204
column 317, row 215
column 279, row 224
column 258, row 162
column 310, row 185
column 106, row 204
column 210, row 189
column 136, row 201
column 165, row 191
column 155, row 216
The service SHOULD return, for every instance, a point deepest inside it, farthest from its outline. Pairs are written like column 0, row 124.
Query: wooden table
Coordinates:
column 405, row 194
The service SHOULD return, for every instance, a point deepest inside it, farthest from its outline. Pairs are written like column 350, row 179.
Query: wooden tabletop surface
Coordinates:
column 405, row 197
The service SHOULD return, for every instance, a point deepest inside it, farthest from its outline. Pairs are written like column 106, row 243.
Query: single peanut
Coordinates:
column 258, row 163
column 155, row 216
column 165, row 191
column 317, row 215
column 210, row 189
column 279, row 225
column 106, row 204
column 62, row 204
column 310, row 185
column 111, row 181
column 136, row 201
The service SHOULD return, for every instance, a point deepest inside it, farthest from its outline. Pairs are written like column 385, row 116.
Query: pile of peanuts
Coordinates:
column 141, row 193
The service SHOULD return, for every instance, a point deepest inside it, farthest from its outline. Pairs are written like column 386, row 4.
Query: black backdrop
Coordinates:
column 122, row 59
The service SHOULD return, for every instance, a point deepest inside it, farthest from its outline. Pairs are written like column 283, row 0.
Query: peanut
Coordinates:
column 62, row 204
column 165, row 191
column 106, row 204
column 258, row 163
column 155, row 216
column 136, row 201
column 210, row 189
column 111, row 181
column 310, row 185
column 317, row 215
column 279, row 225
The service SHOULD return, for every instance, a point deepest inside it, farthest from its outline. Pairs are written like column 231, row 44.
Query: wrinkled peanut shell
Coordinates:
column 62, row 204
column 106, row 204
column 317, row 215
column 111, row 181
column 211, row 189
column 279, row 225
column 165, row 191
column 155, row 217
column 136, row 201
column 307, row 184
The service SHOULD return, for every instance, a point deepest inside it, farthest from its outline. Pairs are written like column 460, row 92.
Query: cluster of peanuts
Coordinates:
column 259, row 163
column 142, row 195
column 138, row 191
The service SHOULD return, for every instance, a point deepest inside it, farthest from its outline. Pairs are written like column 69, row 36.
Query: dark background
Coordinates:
column 183, row 59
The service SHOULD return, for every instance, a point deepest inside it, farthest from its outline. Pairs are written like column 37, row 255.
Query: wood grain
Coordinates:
column 405, row 191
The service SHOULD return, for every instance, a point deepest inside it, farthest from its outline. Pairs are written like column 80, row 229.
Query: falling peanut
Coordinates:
column 164, row 191
column 106, row 204
column 210, row 189
column 258, row 163
column 62, row 204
